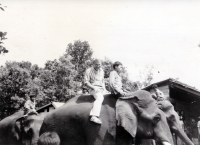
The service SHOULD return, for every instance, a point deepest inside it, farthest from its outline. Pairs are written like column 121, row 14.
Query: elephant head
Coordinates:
column 26, row 130
column 173, row 121
column 140, row 116
column 17, row 130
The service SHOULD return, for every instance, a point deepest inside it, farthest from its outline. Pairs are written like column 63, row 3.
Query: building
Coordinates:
column 49, row 107
column 184, row 98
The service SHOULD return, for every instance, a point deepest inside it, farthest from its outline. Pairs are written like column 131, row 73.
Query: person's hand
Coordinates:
column 95, row 89
column 123, row 94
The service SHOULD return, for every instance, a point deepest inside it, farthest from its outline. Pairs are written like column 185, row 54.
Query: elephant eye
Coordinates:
column 157, row 118
column 172, row 118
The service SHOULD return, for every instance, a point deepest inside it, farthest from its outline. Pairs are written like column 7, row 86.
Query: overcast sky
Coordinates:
column 163, row 34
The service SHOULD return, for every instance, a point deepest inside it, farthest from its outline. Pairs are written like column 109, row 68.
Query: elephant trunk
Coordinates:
column 184, row 137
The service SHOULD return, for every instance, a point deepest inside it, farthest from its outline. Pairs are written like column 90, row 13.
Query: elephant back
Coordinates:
column 73, row 118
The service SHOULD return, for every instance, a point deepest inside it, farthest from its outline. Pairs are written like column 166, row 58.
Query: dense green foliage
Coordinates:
column 59, row 80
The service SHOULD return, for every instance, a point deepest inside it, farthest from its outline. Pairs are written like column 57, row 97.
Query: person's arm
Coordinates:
column 33, row 106
column 113, row 84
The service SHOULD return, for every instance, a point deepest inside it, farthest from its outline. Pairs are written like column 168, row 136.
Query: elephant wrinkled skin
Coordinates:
column 17, row 130
column 136, row 115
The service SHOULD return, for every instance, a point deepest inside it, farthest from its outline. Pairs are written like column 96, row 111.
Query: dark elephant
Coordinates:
column 17, row 130
column 136, row 115
column 173, row 121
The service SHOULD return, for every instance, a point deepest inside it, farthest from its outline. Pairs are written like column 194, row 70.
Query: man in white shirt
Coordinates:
column 94, row 80
column 115, row 80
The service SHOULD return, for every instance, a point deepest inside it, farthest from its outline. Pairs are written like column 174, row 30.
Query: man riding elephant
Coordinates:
column 115, row 80
column 29, row 106
column 94, row 80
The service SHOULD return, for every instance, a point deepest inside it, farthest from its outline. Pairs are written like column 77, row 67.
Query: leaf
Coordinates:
column 1, row 8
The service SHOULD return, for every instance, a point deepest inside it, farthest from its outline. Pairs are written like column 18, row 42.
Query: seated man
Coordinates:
column 160, row 95
column 115, row 80
column 94, row 80
column 29, row 106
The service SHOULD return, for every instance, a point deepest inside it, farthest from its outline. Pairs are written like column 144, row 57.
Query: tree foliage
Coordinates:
column 146, row 76
column 2, row 38
column 15, row 85
column 81, row 56
column 2, row 7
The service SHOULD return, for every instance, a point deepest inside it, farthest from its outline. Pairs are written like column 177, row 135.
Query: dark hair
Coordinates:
column 116, row 64
column 49, row 138
column 154, row 86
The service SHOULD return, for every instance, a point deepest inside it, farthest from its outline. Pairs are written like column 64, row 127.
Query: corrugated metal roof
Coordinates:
column 175, row 81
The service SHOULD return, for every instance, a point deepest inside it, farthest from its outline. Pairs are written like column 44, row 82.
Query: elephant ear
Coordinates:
column 126, row 116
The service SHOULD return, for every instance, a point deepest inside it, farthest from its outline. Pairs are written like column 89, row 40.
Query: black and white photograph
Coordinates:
column 90, row 72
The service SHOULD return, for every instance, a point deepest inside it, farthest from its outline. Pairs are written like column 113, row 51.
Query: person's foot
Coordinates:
column 95, row 120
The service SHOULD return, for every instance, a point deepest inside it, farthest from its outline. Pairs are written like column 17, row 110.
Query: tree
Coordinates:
column 146, row 76
column 15, row 85
column 57, row 80
column 1, row 7
column 2, row 37
column 81, row 56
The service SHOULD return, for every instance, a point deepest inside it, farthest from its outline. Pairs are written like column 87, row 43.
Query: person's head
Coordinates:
column 117, row 66
column 199, row 118
column 49, row 138
column 96, row 64
column 154, row 87
column 32, row 96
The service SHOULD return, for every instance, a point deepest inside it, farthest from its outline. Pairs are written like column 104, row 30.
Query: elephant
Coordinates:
column 173, row 121
column 122, row 120
column 19, row 130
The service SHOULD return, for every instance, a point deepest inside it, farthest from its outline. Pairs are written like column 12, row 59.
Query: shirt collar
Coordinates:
column 96, row 71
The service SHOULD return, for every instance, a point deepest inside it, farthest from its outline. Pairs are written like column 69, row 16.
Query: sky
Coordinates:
column 162, row 34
